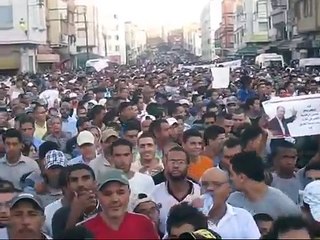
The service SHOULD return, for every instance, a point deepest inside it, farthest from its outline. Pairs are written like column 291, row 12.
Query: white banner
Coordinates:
column 293, row 116
column 220, row 77
column 232, row 64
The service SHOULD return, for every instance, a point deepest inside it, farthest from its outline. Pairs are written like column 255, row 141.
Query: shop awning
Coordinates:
column 48, row 58
column 248, row 51
column 8, row 62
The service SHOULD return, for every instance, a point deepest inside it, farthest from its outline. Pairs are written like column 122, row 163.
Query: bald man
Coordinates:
column 222, row 215
column 69, row 124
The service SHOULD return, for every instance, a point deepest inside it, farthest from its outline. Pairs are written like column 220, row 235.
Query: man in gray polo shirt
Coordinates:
column 13, row 166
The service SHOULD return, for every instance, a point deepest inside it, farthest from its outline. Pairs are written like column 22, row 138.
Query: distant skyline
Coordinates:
column 156, row 13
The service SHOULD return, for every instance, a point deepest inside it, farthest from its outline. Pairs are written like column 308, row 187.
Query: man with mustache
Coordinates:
column 81, row 182
column 26, row 218
column 7, row 192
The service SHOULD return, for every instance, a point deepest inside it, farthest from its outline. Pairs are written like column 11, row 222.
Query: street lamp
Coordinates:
column 23, row 26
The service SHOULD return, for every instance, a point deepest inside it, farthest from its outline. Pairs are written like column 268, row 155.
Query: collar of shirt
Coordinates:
column 229, row 213
column 22, row 159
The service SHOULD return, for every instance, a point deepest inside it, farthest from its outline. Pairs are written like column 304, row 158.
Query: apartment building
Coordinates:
column 210, row 18
column 192, row 38
column 307, row 14
column 136, row 41
column 22, row 30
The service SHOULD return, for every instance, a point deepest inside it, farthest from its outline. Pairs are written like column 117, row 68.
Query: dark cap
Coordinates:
column 112, row 175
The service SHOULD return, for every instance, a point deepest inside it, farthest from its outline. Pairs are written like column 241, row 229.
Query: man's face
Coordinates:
column 217, row 144
column 193, row 146
column 256, row 106
column 132, row 136
column 165, row 131
column 88, row 151
column 236, row 179
column 238, row 120
column 27, row 129
column 149, row 209
column 5, row 199
column 229, row 153
column 81, row 181
column 25, row 220
column 114, row 199
column 209, row 121
column 264, row 227
column 122, row 158
column 180, row 112
column 145, row 125
column 281, row 112
column 287, row 159
column 228, row 124
column 232, row 107
column 65, row 111
column 82, row 112
column 4, row 117
column 174, row 131
column 147, row 148
column 13, row 147
column 176, row 165
column 53, row 174
column 56, row 125
column 41, row 114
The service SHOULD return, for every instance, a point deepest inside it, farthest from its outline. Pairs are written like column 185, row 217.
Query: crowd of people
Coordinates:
column 154, row 152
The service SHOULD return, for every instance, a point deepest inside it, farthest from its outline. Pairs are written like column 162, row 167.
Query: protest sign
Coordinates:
column 97, row 64
column 220, row 77
column 231, row 64
column 293, row 116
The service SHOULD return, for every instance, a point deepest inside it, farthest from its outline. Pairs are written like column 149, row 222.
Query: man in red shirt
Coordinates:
column 114, row 222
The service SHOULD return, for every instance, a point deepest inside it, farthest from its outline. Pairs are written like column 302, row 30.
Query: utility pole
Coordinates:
column 86, row 30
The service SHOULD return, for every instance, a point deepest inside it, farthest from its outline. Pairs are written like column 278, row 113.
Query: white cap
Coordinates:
column 85, row 137
column 137, row 199
column 73, row 95
column 145, row 117
column 184, row 101
column 172, row 121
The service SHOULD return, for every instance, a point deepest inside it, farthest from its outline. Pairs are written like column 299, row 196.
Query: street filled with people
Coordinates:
column 158, row 150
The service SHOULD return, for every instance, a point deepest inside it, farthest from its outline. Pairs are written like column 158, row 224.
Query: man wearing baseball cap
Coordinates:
column 85, row 141
column 113, row 194
column 311, row 206
column 26, row 218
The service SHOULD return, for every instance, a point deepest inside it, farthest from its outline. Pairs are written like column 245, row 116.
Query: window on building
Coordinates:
column 6, row 19
column 310, row 9
column 263, row 26
column 117, row 48
column 305, row 8
column 117, row 37
column 81, row 32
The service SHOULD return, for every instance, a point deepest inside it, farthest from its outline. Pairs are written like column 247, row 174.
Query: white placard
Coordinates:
column 301, row 116
column 50, row 95
column 220, row 77
column 232, row 64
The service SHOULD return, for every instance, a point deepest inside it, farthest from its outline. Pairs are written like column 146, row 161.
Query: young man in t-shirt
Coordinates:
column 114, row 222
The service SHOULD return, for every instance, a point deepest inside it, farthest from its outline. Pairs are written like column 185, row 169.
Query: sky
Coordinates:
column 153, row 13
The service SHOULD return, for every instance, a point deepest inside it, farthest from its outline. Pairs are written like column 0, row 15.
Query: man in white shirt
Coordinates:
column 122, row 157
column 177, row 188
column 215, row 182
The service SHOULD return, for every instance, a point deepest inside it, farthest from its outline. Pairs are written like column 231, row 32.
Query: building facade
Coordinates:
column 210, row 17
column 192, row 39
column 252, row 26
column 22, row 30
column 136, row 41
column 307, row 17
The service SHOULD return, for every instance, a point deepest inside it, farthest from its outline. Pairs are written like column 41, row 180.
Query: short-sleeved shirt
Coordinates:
column 14, row 172
column 275, row 203
column 133, row 226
